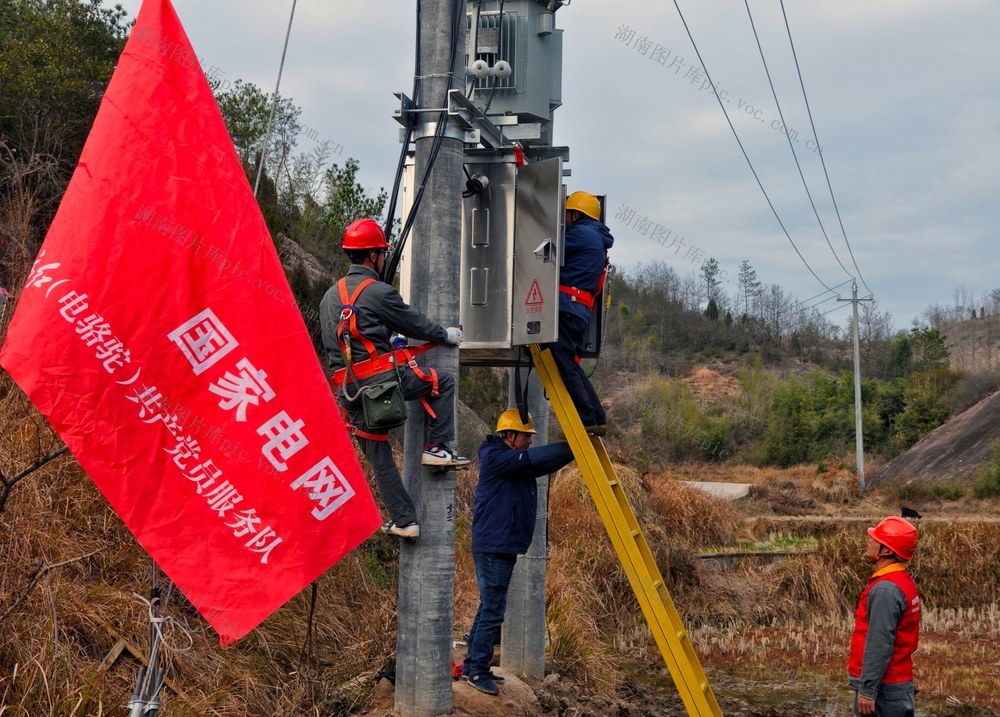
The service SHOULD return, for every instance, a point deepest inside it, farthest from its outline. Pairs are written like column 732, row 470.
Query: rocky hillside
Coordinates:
column 954, row 450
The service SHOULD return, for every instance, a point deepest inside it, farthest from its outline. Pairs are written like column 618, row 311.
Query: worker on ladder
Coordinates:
column 503, row 524
column 358, row 316
column 582, row 277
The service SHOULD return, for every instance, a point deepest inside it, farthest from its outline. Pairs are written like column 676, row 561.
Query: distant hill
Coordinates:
column 974, row 345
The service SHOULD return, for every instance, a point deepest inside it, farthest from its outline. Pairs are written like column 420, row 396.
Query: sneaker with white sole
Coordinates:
column 442, row 456
column 410, row 530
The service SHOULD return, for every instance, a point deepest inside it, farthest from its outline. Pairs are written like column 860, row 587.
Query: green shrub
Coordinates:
column 987, row 483
column 924, row 395
column 947, row 490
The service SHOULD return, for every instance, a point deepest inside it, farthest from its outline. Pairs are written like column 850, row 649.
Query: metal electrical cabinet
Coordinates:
column 512, row 251
column 511, row 245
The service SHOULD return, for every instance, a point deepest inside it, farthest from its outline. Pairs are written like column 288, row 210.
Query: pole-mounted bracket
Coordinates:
column 465, row 121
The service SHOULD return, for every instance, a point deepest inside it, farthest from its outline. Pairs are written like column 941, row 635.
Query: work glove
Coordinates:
column 453, row 335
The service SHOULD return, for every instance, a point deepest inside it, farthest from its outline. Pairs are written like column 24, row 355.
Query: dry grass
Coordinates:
column 794, row 614
column 956, row 662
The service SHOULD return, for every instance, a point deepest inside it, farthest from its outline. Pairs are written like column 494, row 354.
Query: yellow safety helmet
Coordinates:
column 585, row 203
column 510, row 420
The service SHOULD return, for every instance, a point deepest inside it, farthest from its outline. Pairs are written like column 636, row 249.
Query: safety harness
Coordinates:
column 585, row 297
column 375, row 363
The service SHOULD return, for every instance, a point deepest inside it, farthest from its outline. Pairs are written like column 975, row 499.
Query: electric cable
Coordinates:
column 390, row 216
column 819, row 149
column 843, row 306
column 743, row 150
column 801, row 307
column 803, row 303
column 784, row 124
column 391, row 266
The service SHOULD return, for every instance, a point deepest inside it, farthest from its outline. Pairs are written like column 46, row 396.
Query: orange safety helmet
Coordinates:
column 364, row 234
column 897, row 534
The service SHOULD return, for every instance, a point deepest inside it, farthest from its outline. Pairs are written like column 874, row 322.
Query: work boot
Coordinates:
column 441, row 455
column 598, row 429
column 410, row 530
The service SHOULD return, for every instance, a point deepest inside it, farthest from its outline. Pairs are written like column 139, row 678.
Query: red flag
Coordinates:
column 159, row 336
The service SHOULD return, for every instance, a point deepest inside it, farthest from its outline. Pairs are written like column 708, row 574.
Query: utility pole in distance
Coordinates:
column 426, row 566
column 859, row 439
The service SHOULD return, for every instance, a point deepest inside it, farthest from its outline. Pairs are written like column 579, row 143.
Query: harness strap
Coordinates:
column 349, row 319
column 385, row 362
column 375, row 363
column 585, row 297
column 579, row 295
column 370, row 436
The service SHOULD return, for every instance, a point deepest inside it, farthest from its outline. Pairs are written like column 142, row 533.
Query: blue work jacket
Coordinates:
column 503, row 515
column 587, row 244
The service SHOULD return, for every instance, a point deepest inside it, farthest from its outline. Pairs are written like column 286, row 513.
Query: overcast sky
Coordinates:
column 905, row 95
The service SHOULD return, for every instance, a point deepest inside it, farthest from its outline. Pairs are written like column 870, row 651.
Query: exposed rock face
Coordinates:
column 292, row 254
column 954, row 450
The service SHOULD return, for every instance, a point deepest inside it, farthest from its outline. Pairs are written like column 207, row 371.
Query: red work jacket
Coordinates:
column 900, row 667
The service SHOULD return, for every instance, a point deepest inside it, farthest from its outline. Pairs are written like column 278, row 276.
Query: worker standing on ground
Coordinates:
column 581, row 280
column 358, row 316
column 886, row 625
column 503, row 523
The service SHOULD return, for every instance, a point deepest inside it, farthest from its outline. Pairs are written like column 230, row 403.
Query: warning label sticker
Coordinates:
column 535, row 301
column 535, row 297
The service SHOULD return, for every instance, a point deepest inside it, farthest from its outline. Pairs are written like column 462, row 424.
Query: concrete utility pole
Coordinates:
column 859, row 439
column 426, row 566
column 523, row 639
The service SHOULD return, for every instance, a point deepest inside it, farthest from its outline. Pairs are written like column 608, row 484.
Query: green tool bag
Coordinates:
column 383, row 404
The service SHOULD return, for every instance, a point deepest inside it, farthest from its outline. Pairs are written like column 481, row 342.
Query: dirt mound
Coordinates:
column 711, row 385
column 954, row 450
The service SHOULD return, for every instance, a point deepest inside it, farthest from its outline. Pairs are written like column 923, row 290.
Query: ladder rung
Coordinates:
column 636, row 532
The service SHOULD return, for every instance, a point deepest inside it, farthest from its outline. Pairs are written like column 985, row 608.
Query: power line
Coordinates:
column 819, row 149
column 842, row 306
column 745, row 155
column 789, row 138
column 824, row 292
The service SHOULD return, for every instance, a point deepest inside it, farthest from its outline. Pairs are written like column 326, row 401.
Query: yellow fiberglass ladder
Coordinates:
column 630, row 544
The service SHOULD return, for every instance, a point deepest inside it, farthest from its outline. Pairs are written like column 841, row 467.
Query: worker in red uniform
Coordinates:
column 886, row 625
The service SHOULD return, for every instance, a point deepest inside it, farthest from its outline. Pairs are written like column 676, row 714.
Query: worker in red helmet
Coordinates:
column 358, row 316
column 886, row 625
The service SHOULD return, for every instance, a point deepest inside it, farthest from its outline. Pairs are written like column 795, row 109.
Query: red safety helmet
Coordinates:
column 897, row 534
column 364, row 234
